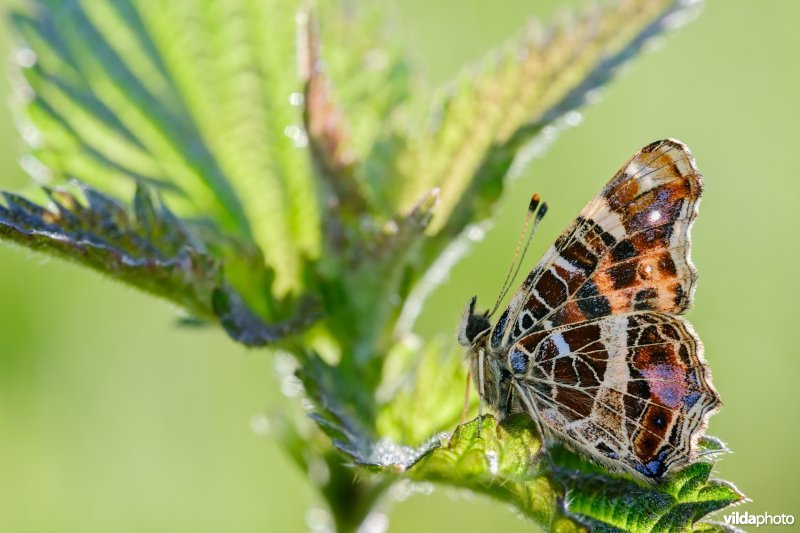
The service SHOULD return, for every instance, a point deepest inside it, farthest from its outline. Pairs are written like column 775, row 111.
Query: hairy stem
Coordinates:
column 351, row 494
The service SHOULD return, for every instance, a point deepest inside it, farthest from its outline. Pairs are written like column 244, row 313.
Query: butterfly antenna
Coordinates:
column 534, row 203
column 536, row 211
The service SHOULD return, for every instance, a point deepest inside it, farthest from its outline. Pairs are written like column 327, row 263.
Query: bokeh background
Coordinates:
column 112, row 418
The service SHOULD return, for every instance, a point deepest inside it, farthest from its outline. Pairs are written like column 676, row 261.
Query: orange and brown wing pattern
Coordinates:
column 631, row 392
column 627, row 251
column 592, row 345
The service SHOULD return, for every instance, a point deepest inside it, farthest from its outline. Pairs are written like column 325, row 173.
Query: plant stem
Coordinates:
column 351, row 494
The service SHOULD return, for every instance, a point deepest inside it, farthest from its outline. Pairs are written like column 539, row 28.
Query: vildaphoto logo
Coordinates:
column 763, row 519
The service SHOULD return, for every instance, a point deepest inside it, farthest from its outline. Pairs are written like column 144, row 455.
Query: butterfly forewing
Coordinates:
column 591, row 345
column 628, row 250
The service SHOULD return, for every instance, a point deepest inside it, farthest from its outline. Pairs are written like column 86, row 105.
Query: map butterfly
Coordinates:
column 592, row 345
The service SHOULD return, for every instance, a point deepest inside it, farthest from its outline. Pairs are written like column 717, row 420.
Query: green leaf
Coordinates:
column 371, row 79
column 328, row 135
column 147, row 247
column 417, row 391
column 607, row 502
column 192, row 99
column 246, row 326
column 501, row 461
column 558, row 491
column 489, row 118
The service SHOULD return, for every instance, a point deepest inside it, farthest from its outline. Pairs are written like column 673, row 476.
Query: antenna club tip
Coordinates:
column 534, row 202
column 543, row 210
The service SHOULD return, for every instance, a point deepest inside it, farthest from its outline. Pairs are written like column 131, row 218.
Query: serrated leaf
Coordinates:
column 247, row 327
column 148, row 248
column 373, row 82
column 343, row 413
column 489, row 117
column 502, row 462
column 145, row 246
column 417, row 391
column 193, row 99
column 328, row 135
column 617, row 503
column 559, row 491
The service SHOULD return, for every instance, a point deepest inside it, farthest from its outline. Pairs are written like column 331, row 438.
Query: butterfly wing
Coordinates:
column 628, row 250
column 592, row 338
column 632, row 391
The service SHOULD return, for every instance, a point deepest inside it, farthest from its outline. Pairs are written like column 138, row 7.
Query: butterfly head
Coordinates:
column 473, row 325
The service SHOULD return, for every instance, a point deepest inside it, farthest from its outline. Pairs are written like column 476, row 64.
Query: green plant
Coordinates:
column 183, row 155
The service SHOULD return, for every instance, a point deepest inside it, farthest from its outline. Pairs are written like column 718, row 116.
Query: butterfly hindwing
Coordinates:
column 630, row 391
column 628, row 250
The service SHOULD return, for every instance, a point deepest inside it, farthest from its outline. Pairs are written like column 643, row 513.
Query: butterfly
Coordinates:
column 592, row 345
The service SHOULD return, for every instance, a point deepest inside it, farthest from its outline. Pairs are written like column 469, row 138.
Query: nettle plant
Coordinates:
column 269, row 168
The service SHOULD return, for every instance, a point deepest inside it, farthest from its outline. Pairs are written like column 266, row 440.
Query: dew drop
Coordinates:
column 25, row 57
column 388, row 453
column 374, row 523
column 297, row 135
column 291, row 387
column 391, row 227
column 260, row 425
column 401, row 490
column 573, row 118
column 35, row 169
column 476, row 233
column 491, row 456
column 32, row 136
column 285, row 367
column 405, row 488
column 319, row 520
column 319, row 472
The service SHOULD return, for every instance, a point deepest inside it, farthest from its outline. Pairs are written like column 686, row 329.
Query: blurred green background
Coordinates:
column 112, row 418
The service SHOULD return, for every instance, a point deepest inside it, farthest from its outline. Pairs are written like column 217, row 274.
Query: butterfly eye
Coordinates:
column 472, row 324
column 476, row 324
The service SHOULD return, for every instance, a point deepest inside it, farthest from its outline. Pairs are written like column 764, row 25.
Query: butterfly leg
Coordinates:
column 545, row 438
column 482, row 389
column 509, row 402
column 465, row 410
